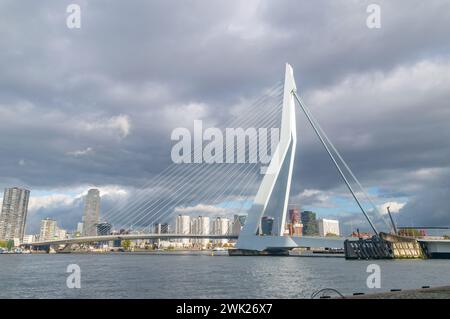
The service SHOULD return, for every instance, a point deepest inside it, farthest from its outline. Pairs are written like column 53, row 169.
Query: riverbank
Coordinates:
column 442, row 292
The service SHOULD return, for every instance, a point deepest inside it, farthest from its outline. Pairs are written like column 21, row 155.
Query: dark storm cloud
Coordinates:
column 97, row 105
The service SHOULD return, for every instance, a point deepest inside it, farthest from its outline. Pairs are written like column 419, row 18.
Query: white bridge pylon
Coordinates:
column 273, row 194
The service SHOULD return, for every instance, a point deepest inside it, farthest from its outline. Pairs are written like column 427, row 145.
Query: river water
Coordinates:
column 205, row 276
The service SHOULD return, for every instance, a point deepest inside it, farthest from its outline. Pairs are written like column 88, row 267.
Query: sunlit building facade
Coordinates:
column 91, row 212
column 14, row 213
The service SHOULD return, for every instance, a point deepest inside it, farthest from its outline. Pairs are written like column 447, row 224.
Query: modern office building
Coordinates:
column 309, row 222
column 14, row 213
column 328, row 227
column 103, row 229
column 91, row 212
column 267, row 225
column 294, row 216
column 161, row 228
column 48, row 229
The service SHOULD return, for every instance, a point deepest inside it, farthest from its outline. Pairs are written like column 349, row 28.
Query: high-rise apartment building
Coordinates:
column 48, row 230
column 14, row 213
column 91, row 212
column 200, row 226
column 104, row 229
column 183, row 226
column 267, row 225
column 221, row 226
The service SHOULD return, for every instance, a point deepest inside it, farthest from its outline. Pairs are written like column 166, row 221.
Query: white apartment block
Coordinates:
column 221, row 226
column 200, row 226
column 28, row 239
column 183, row 226
column 328, row 226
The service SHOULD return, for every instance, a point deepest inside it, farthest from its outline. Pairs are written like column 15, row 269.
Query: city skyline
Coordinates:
column 93, row 204
column 192, row 223
column 93, row 128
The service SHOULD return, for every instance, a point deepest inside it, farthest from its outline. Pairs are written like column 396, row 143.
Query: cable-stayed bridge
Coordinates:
column 223, row 178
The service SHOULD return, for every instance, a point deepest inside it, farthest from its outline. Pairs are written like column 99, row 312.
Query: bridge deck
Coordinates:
column 314, row 242
column 89, row 239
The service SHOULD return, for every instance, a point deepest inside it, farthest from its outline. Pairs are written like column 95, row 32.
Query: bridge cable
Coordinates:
column 197, row 187
column 141, row 203
column 304, row 109
column 174, row 167
column 366, row 195
column 147, row 206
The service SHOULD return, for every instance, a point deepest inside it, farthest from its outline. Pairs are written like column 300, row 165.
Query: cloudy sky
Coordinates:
column 95, row 106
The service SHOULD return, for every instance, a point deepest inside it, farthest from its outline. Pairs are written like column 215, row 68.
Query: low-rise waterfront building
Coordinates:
column 103, row 229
